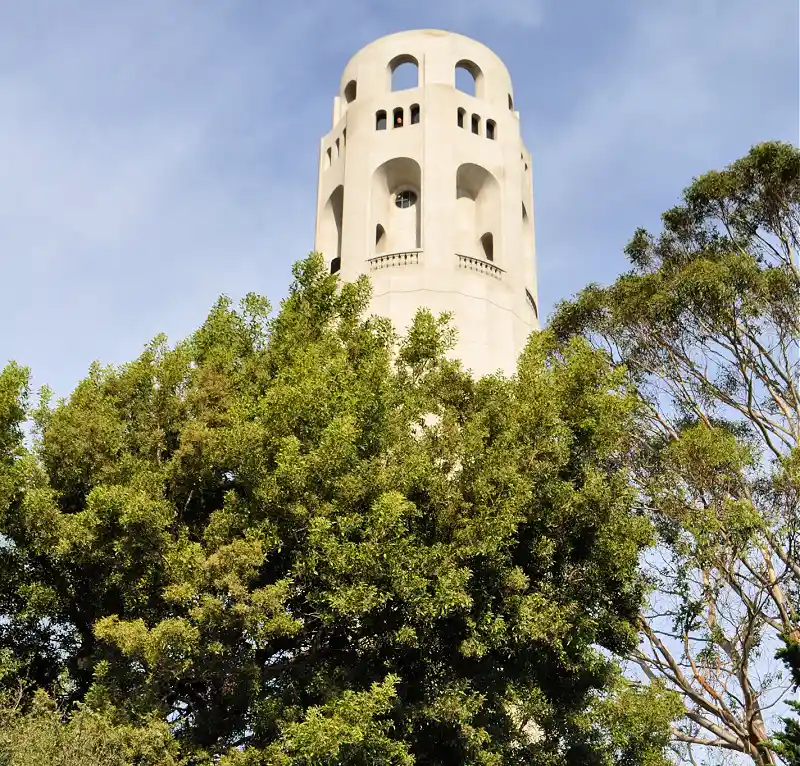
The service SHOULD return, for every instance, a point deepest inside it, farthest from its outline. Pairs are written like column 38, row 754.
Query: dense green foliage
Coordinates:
column 294, row 548
column 706, row 325
column 788, row 741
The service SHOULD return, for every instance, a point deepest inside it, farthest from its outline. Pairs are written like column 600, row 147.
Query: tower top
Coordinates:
column 425, row 185
column 436, row 53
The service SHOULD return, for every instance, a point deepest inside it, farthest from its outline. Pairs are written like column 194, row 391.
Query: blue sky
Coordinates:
column 156, row 154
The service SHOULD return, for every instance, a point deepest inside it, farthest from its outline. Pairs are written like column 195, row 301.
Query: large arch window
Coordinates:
column 330, row 230
column 395, row 205
column 380, row 120
column 478, row 212
column 469, row 78
column 350, row 91
column 414, row 111
column 403, row 72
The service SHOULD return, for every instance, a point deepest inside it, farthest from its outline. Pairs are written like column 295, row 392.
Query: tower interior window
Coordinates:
column 490, row 129
column 461, row 114
column 404, row 73
column 466, row 76
column 405, row 198
column 487, row 242
column 380, row 120
column 414, row 114
column 350, row 91
column 476, row 124
column 336, row 264
column 397, row 117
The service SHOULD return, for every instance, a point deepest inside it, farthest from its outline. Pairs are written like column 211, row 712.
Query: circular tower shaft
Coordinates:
column 428, row 190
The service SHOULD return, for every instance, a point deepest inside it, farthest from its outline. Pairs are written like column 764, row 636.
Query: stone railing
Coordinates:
column 387, row 260
column 479, row 264
column 531, row 302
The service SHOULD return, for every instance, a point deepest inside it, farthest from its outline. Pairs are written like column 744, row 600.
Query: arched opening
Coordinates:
column 380, row 239
column 338, row 149
column 397, row 117
column 414, row 111
column 330, row 230
column 477, row 212
column 329, row 156
column 344, row 138
column 510, row 102
column 469, row 78
column 396, row 206
column 462, row 113
column 476, row 124
column 403, row 72
column 380, row 120
column 491, row 129
column 487, row 243
column 350, row 91
column 527, row 239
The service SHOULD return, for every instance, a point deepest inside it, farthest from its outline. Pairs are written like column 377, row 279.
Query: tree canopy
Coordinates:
column 706, row 325
column 292, row 539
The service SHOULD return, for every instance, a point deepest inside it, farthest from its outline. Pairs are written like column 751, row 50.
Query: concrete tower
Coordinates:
column 428, row 191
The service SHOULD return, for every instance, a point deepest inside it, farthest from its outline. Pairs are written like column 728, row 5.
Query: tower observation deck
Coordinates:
column 428, row 190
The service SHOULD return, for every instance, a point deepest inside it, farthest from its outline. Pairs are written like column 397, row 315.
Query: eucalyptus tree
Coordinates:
column 706, row 325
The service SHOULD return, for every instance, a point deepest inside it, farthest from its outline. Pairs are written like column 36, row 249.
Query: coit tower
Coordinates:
column 425, row 186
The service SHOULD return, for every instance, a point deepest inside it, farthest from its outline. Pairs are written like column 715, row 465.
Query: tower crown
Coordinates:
column 427, row 189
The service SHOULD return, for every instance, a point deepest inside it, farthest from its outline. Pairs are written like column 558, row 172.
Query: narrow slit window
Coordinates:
column 328, row 153
column 338, row 149
column 397, row 117
column 414, row 113
column 490, row 129
column 476, row 124
column 380, row 120
column 461, row 114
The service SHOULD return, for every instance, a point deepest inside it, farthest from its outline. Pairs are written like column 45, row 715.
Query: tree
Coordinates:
column 788, row 741
column 296, row 542
column 706, row 324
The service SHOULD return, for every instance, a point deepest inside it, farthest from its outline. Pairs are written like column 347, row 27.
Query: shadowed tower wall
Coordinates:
column 428, row 190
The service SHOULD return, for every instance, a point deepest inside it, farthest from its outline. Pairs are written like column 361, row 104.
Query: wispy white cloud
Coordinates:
column 689, row 87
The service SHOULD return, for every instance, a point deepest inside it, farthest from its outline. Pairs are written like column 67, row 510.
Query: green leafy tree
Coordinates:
column 788, row 741
column 295, row 540
column 706, row 324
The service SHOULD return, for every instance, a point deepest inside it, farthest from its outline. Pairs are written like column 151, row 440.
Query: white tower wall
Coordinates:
column 467, row 245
